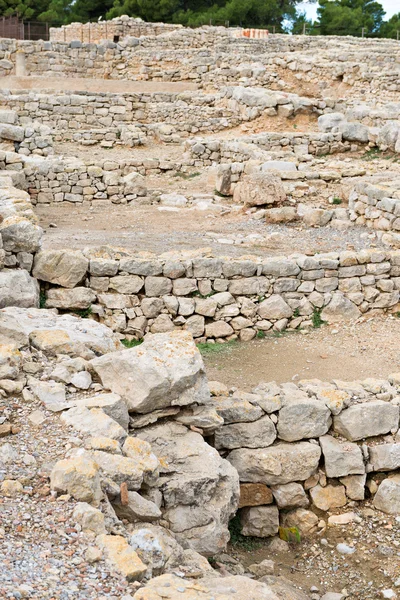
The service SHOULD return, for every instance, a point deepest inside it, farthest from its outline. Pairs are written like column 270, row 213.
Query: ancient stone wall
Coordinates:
column 377, row 205
column 114, row 30
column 308, row 446
column 220, row 298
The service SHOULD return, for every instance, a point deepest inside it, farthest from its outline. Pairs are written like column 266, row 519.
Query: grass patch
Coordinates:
column 377, row 153
column 184, row 175
column 296, row 312
column 42, row 299
column 247, row 543
column 131, row 343
column 209, row 349
column 84, row 313
column 337, row 201
column 317, row 320
column 260, row 334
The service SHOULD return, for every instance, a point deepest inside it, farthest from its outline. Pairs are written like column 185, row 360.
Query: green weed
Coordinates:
column 84, row 313
column 184, row 175
column 260, row 334
column 337, row 201
column 296, row 312
column 209, row 349
column 247, row 543
column 131, row 343
column 317, row 320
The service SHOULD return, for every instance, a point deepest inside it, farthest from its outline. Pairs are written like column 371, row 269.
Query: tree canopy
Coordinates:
column 335, row 17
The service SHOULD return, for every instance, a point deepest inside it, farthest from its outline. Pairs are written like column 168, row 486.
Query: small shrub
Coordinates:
column 317, row 320
column 131, row 343
column 296, row 312
column 336, row 201
column 247, row 543
column 260, row 334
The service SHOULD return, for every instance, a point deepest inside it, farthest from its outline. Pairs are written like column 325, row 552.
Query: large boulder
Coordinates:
column 354, row 132
column 18, row 288
column 166, row 370
column 385, row 457
column 235, row 587
column 330, row 121
column 389, row 136
column 55, row 334
column 387, row 498
column 20, row 234
column 340, row 308
column 200, row 489
column 156, row 546
column 278, row 464
column 368, row 419
column 257, row 189
column 66, row 268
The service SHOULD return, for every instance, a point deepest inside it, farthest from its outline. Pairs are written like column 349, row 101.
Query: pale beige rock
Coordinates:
column 90, row 518
column 121, row 556
column 93, row 422
column 167, row 369
column 260, row 521
column 66, row 268
column 11, row 488
column 78, row 477
column 328, row 497
column 305, row 520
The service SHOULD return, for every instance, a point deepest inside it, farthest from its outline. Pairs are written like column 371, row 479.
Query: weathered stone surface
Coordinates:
column 290, row 495
column 257, row 434
column 111, row 404
column 254, row 494
column 205, row 417
column 156, row 547
column 367, row 420
column 78, row 477
column 260, row 521
column 200, row 489
column 166, row 370
column 55, row 334
column 274, row 307
column 121, row 469
column 66, row 268
column 341, row 458
column 387, row 498
column 20, row 234
column 217, row 588
column 18, row 288
column 326, row 498
column 340, row 308
column 11, row 488
column 385, row 457
column 121, row 556
column 256, row 189
column 218, row 329
column 93, row 422
column 140, row 451
column 79, row 298
column 303, row 417
column 278, row 464
column 236, row 409
column 90, row 518
column 137, row 509
column 355, row 486
column 10, row 362
column 305, row 520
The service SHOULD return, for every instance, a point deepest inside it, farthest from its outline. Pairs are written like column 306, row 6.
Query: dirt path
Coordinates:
column 80, row 84
column 347, row 352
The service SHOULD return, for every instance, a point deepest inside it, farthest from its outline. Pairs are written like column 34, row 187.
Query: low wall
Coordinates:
column 315, row 446
column 376, row 205
column 219, row 298
column 206, row 152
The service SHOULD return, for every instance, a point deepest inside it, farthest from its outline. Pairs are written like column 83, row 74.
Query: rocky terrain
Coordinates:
column 199, row 302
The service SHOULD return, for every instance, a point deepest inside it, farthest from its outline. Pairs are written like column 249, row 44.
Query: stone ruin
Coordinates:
column 151, row 459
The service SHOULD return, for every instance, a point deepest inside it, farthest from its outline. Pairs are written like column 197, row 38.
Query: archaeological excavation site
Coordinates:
column 199, row 315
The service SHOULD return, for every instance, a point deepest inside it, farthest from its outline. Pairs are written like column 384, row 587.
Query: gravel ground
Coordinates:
column 42, row 549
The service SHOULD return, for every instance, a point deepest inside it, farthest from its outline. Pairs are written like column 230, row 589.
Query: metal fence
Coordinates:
column 18, row 29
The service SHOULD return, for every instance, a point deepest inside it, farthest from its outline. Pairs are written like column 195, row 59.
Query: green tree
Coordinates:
column 348, row 17
column 301, row 23
column 27, row 9
column 390, row 28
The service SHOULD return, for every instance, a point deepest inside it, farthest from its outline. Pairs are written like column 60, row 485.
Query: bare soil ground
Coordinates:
column 80, row 84
column 347, row 352
column 147, row 228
